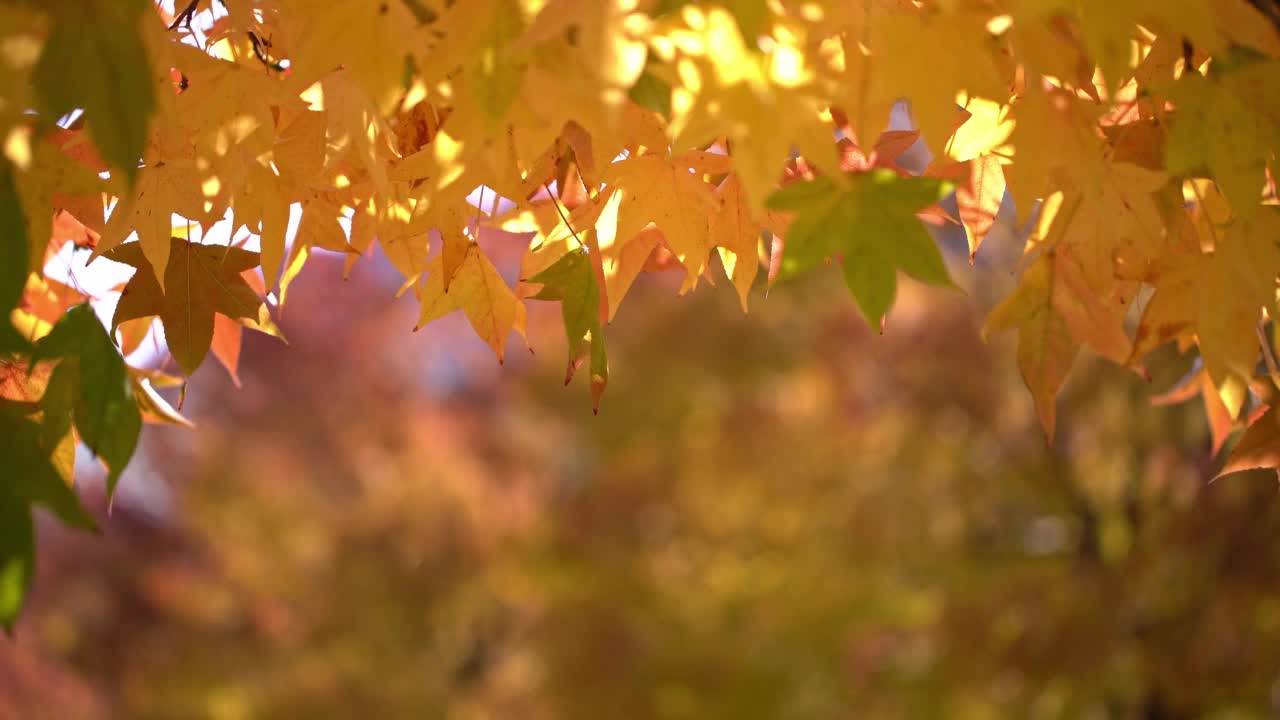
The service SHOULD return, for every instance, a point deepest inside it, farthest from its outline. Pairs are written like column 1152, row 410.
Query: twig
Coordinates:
column 184, row 17
column 259, row 51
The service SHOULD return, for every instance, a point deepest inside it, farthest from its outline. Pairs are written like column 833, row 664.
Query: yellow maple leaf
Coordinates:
column 1217, row 297
column 737, row 235
column 979, row 196
column 763, row 102
column 223, row 103
column 479, row 292
column 609, row 34
column 370, row 39
column 263, row 206
column 900, row 69
column 163, row 188
column 1046, row 349
column 299, row 150
column 1238, row 282
column 663, row 191
column 1053, row 128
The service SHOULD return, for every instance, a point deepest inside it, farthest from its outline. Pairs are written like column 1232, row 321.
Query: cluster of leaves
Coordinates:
column 767, row 537
column 613, row 137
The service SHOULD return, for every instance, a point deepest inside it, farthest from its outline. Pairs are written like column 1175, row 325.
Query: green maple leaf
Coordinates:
column 13, row 258
column 870, row 222
column 30, row 478
column 95, row 59
column 92, row 384
column 572, row 281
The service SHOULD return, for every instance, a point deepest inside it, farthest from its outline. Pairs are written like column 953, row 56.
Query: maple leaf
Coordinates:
column 1053, row 129
column 1170, row 314
column 1106, row 29
column 94, row 58
column 985, row 127
column 901, row 70
column 94, row 388
column 299, row 149
column 871, row 223
column 1258, row 448
column 153, row 406
column 1142, row 135
column 479, row 291
column 30, row 390
column 572, row 281
column 1046, row 349
column 44, row 302
column 265, row 204
column 14, row 253
column 622, row 263
column 602, row 36
column 224, row 103
column 201, row 280
column 55, row 180
column 1055, row 310
column 1238, row 282
column 162, row 189
column 475, row 43
column 762, row 102
column 368, row 38
column 665, row 192
column 1217, row 298
column 979, row 198
column 1216, row 130
column 32, row 479
column 225, row 345
column 319, row 227
column 1198, row 383
column 737, row 235
column 39, row 450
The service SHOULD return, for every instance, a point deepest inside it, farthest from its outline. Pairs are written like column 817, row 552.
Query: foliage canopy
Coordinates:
column 1137, row 139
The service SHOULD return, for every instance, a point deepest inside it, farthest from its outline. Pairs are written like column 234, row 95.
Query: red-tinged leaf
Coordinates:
column 1090, row 319
column 893, row 143
column 77, row 145
column 937, row 216
column 775, row 257
column 253, row 279
column 888, row 148
column 979, row 199
column 227, row 334
column 68, row 229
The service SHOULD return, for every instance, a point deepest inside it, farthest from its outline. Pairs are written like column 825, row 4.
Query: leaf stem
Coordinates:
column 475, row 233
column 563, row 217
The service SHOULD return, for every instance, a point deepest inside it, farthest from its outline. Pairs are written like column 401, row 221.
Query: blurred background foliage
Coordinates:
column 774, row 516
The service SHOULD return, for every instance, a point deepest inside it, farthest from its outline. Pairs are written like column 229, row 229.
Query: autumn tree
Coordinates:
column 214, row 146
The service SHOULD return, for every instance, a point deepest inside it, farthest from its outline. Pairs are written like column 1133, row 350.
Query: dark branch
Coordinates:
column 184, row 17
